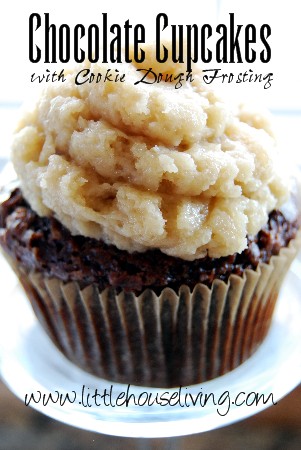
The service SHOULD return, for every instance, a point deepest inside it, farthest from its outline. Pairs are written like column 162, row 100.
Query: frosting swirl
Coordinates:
column 149, row 166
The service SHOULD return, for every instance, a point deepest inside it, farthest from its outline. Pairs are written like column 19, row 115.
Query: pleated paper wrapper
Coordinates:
column 167, row 340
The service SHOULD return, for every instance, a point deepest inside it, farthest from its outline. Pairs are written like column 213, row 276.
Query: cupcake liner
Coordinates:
column 167, row 340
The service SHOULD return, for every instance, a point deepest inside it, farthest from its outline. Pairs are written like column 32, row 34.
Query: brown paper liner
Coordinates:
column 168, row 340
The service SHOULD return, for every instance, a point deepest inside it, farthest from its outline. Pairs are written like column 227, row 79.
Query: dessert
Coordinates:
column 149, row 230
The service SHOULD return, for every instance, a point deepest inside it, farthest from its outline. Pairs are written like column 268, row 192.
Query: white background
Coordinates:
column 283, row 98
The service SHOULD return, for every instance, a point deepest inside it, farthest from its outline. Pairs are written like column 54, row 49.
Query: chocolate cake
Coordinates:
column 153, row 226
column 43, row 244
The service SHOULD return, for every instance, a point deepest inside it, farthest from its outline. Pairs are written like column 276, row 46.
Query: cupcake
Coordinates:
column 152, row 226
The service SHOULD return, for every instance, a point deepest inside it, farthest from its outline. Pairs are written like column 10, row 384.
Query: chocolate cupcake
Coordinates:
column 149, row 230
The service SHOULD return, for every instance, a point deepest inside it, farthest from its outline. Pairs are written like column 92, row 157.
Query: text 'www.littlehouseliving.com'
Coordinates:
column 130, row 397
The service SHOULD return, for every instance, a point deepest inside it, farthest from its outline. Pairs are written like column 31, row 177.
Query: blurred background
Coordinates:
column 279, row 427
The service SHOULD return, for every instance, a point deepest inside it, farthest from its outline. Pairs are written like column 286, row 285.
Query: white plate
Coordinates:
column 29, row 363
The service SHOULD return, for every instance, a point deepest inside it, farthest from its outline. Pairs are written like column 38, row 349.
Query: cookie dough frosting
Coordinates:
column 149, row 166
